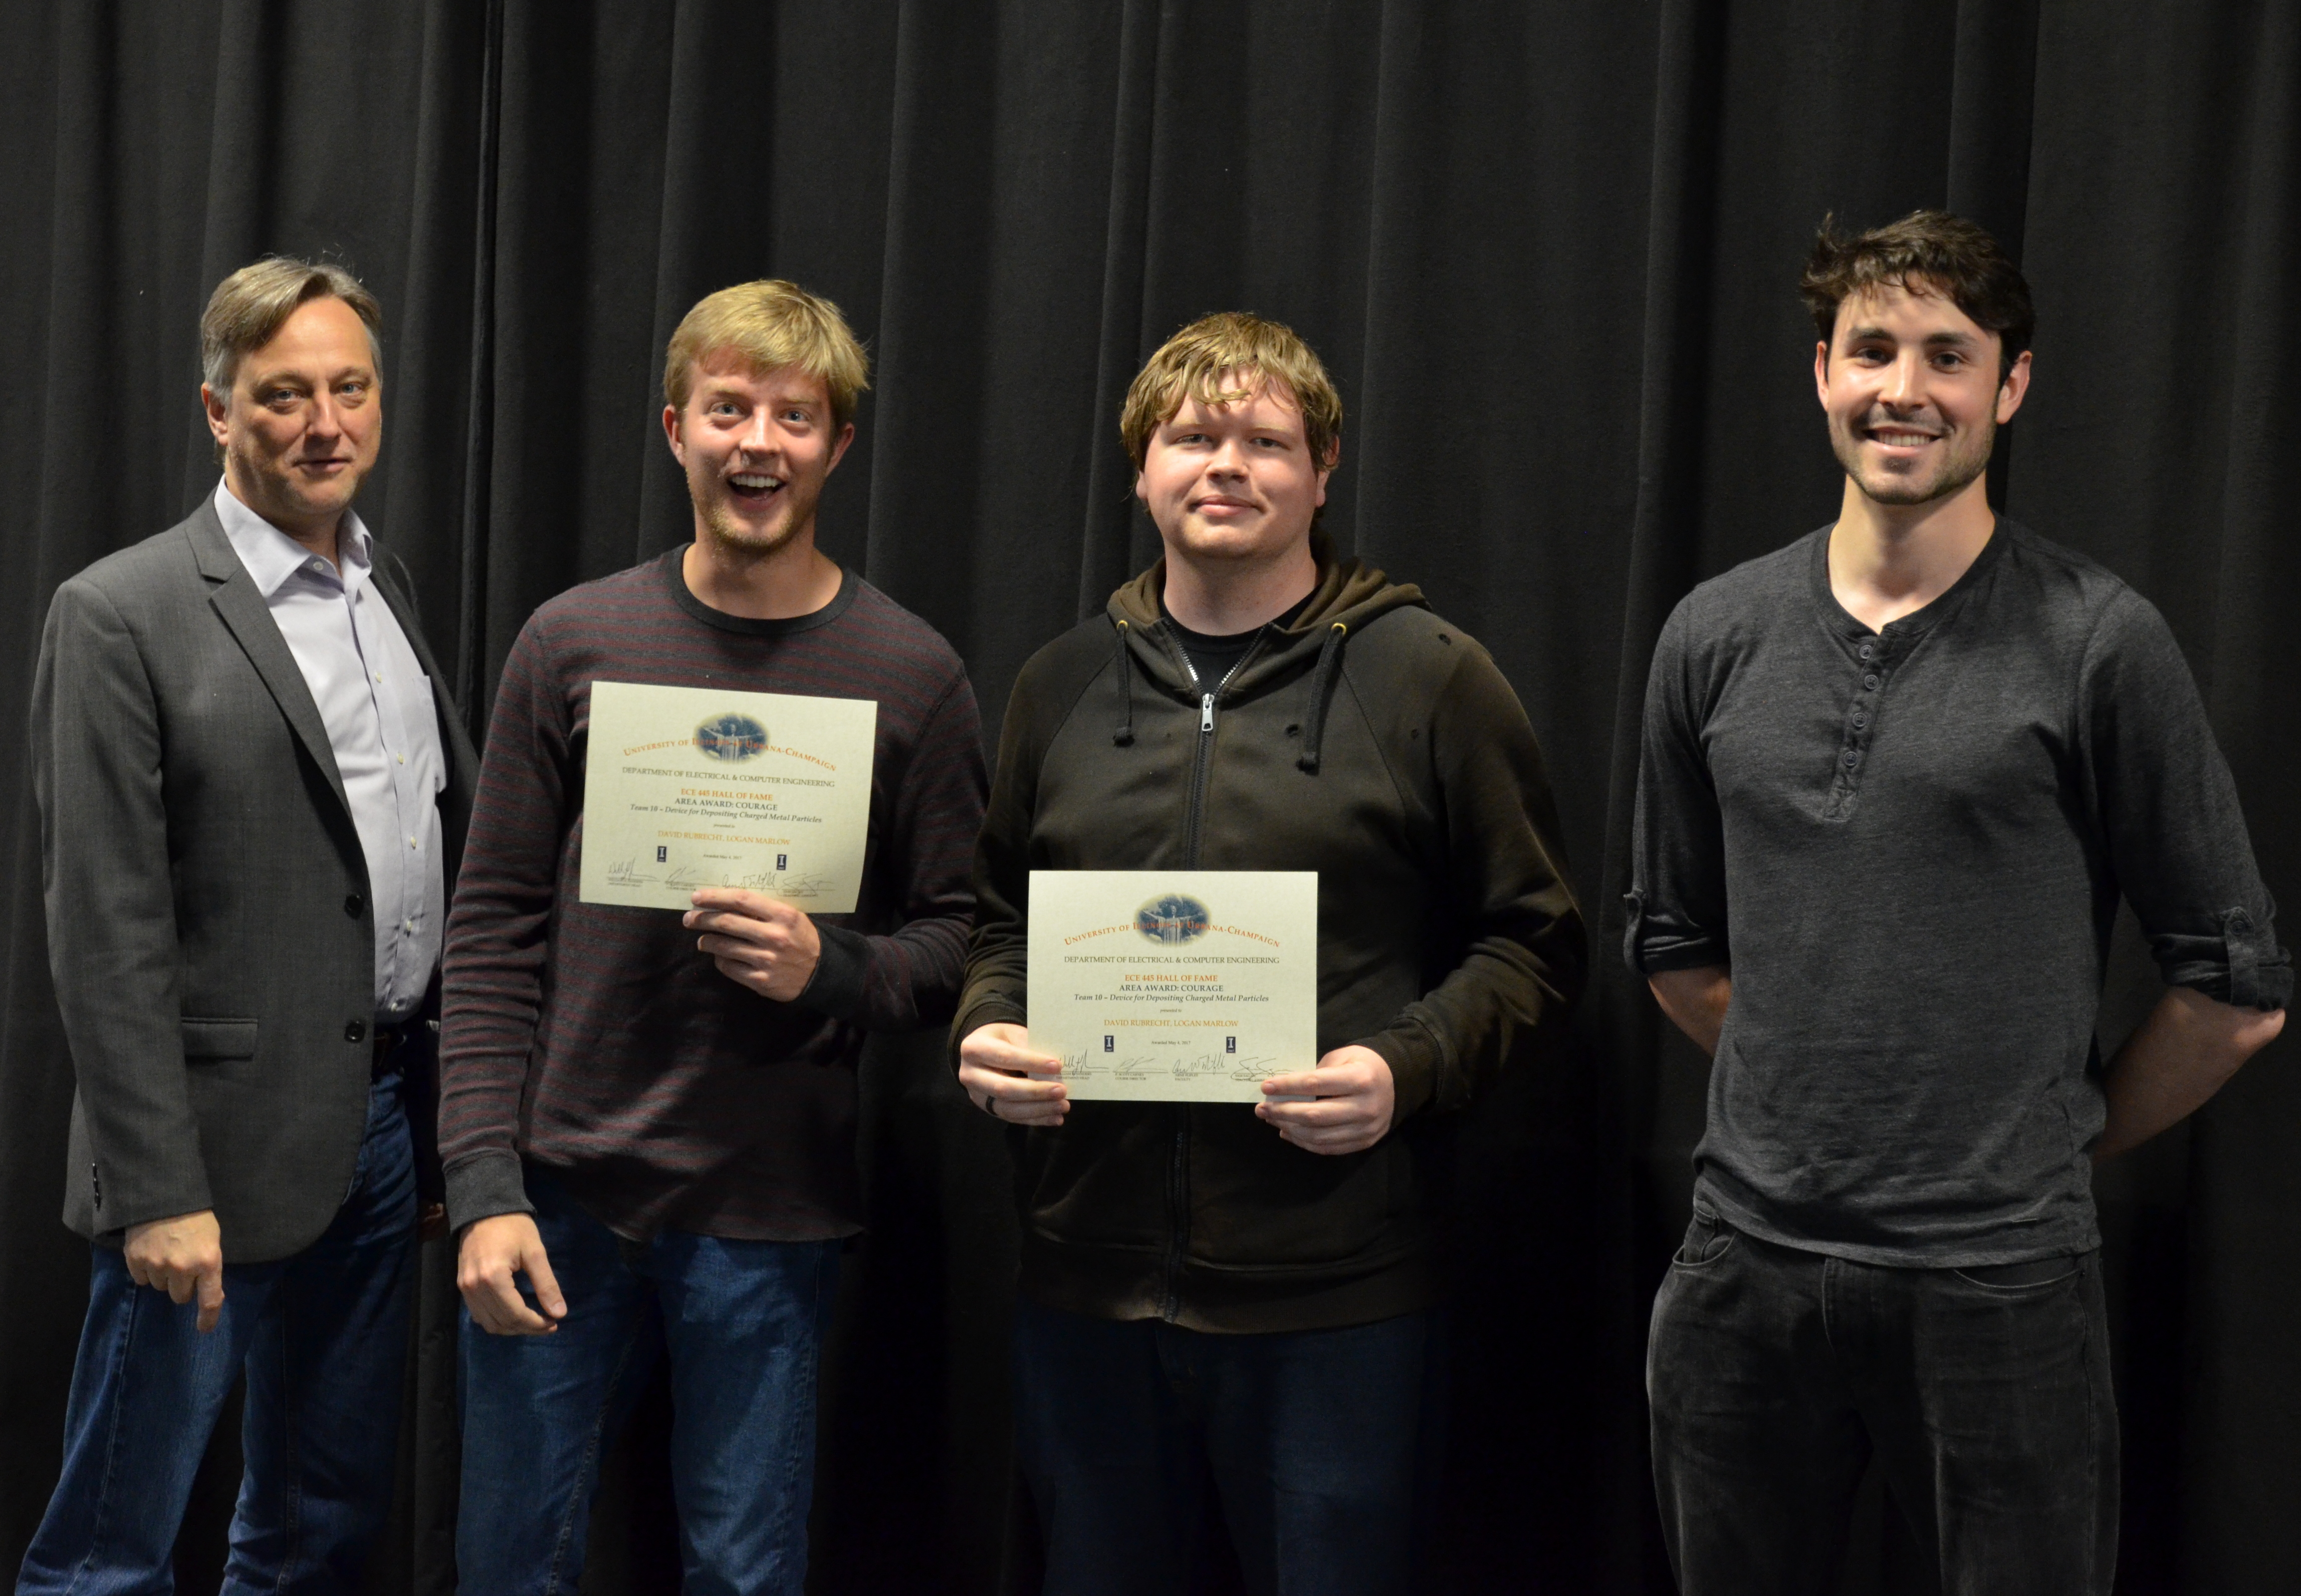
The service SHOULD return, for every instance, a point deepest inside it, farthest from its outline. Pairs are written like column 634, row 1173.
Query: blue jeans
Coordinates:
column 1775, row 1374
column 323, row 1338
column 1312, row 1441
column 742, row 1323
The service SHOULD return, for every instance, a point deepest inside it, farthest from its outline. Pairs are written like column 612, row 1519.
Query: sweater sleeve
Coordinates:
column 1676, row 901
column 998, row 959
column 1526, row 956
column 492, row 966
column 2168, row 811
column 910, row 977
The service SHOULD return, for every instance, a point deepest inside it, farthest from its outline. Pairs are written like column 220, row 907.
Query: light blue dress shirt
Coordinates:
column 377, row 704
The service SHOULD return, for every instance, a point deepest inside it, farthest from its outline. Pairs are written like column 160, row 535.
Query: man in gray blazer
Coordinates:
column 252, row 789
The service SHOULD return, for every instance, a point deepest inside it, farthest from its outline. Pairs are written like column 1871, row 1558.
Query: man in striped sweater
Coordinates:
column 647, row 1119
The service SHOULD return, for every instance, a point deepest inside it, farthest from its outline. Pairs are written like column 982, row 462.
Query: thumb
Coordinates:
column 211, row 1295
column 537, row 1265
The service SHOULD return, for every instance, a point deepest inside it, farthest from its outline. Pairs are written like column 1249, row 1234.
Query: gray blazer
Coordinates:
column 209, row 928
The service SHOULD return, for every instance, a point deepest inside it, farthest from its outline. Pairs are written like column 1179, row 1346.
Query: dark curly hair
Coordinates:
column 1926, row 251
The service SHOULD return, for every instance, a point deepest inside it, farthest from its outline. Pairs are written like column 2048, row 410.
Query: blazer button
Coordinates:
column 355, row 1031
column 353, row 904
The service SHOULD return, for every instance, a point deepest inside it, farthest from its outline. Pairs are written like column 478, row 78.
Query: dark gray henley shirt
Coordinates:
column 1908, row 846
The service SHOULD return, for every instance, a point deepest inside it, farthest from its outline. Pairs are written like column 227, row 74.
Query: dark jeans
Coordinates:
column 1311, row 1442
column 323, row 1338
column 742, row 1325
column 1985, row 1393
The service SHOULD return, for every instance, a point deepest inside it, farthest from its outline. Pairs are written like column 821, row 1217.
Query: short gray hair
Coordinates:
column 249, row 307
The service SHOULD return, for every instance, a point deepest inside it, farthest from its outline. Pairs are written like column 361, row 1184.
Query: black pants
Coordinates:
column 1311, row 1442
column 1985, row 1393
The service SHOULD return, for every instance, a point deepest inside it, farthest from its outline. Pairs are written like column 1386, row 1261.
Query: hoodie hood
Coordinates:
column 1349, row 592
column 1350, row 595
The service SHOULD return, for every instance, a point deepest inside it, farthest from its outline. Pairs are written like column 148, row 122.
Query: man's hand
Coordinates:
column 1353, row 1100
column 768, row 947
column 1696, row 1001
column 495, row 1249
column 2185, row 1051
column 183, row 1257
column 1007, row 1080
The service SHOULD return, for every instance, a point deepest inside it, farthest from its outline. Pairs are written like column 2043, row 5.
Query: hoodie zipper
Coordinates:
column 1202, row 762
column 1178, row 1174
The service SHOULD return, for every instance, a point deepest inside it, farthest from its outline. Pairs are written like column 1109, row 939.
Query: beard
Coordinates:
column 1963, row 459
column 735, row 534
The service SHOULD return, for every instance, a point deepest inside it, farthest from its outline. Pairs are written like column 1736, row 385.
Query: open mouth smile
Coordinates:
column 754, row 487
column 1900, row 437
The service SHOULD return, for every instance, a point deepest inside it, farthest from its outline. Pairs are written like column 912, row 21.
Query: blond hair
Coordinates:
column 249, row 307
column 769, row 323
column 1248, row 352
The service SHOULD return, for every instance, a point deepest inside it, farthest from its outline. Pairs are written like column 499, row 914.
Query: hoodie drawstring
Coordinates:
column 1322, row 682
column 1123, row 734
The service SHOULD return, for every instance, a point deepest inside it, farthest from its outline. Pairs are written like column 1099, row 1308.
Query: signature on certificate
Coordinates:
column 1076, row 1066
column 1254, row 1069
column 1134, row 1067
column 625, row 873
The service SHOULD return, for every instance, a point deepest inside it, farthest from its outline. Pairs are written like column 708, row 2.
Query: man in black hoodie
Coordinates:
column 1215, row 1292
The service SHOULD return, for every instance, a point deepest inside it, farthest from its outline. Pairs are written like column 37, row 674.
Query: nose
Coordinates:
column 1229, row 458
column 757, row 437
column 1903, row 380
column 326, row 417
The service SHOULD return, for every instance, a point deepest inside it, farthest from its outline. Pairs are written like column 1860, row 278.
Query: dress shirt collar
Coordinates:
column 272, row 556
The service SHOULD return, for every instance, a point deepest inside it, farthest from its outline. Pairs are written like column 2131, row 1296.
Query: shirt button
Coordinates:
column 407, row 926
column 1866, row 650
column 410, row 842
column 355, row 1030
column 1851, row 758
column 1870, row 683
column 1859, row 720
column 401, row 757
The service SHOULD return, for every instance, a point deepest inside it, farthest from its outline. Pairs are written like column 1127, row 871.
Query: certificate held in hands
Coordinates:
column 687, row 787
column 1175, row 985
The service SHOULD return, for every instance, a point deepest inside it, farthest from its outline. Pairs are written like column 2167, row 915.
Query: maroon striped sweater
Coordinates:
column 592, row 1043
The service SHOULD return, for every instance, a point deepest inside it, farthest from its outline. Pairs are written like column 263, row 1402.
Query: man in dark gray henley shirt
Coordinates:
column 1896, row 777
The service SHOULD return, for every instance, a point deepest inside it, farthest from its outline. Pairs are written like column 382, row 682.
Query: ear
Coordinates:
column 839, row 449
column 1141, row 492
column 1333, row 458
column 1821, row 372
column 2015, row 388
column 671, row 434
column 219, row 415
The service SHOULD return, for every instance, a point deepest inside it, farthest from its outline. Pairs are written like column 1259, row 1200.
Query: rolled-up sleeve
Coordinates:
column 1676, row 901
column 2169, row 812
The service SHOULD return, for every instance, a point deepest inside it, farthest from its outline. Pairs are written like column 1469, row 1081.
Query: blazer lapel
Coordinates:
column 249, row 620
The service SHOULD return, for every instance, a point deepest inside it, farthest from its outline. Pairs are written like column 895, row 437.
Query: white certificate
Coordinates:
column 687, row 787
column 1175, row 985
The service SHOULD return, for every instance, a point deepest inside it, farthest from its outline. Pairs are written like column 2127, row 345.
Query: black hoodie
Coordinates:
column 1368, row 740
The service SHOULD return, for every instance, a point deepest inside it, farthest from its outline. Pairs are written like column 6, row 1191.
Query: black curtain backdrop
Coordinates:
column 1548, row 249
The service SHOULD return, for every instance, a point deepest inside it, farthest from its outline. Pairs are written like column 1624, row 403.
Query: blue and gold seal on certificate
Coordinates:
column 1173, row 920
column 731, row 738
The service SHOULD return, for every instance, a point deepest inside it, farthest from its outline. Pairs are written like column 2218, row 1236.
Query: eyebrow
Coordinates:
column 1932, row 340
column 290, row 378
